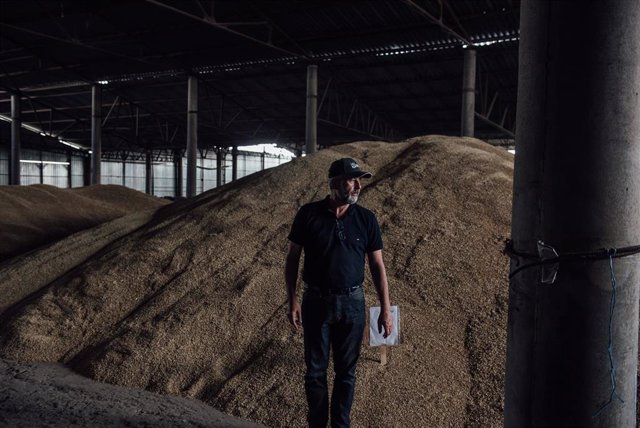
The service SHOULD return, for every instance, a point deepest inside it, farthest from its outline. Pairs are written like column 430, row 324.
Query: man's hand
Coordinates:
column 295, row 313
column 379, row 276
column 385, row 321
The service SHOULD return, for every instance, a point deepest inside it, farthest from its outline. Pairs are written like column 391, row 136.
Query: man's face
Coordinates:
column 346, row 190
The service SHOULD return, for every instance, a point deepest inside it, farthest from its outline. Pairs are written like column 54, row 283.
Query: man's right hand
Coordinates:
column 295, row 313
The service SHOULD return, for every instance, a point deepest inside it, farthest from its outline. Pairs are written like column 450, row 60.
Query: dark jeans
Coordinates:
column 335, row 321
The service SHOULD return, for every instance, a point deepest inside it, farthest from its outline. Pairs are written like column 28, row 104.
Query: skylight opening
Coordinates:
column 271, row 148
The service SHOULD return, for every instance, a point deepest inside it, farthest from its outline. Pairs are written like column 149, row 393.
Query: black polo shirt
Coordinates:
column 334, row 249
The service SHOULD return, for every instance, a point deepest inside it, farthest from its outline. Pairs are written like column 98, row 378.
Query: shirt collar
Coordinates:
column 350, row 209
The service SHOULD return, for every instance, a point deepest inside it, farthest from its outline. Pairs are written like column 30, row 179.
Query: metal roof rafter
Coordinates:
column 85, row 80
column 222, row 27
column 224, row 96
column 495, row 125
column 355, row 116
column 277, row 27
column 222, row 128
column 78, row 43
column 437, row 21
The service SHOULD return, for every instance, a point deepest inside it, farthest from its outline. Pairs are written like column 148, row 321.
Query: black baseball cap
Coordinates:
column 347, row 167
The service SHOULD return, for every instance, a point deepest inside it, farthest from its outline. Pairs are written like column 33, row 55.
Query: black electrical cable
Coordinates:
column 600, row 254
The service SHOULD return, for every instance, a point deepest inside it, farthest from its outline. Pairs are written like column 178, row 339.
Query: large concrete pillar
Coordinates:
column 219, row 165
column 468, row 93
column 234, row 163
column 311, row 135
column 148, row 183
column 16, row 126
column 96, row 133
column 572, row 345
column 192, row 135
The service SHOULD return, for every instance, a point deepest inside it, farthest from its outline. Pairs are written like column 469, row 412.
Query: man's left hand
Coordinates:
column 385, row 322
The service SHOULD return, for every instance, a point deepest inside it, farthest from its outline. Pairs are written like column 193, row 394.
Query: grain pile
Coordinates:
column 50, row 395
column 26, row 274
column 40, row 214
column 193, row 302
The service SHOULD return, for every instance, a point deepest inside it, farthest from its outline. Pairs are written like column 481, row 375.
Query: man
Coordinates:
column 335, row 234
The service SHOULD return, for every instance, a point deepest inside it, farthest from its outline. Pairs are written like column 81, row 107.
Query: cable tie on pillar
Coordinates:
column 545, row 257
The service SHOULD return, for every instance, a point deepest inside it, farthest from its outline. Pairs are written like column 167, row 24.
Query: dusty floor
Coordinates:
column 192, row 301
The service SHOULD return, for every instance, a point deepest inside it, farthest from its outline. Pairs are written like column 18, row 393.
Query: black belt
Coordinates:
column 342, row 291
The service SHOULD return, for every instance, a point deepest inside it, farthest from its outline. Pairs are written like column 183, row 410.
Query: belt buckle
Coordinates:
column 343, row 291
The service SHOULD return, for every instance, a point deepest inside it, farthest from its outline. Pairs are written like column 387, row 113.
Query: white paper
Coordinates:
column 377, row 339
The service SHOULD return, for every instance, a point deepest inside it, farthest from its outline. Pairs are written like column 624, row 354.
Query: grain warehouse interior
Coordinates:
column 154, row 154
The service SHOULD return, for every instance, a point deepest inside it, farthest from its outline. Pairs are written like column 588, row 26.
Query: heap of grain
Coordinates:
column 193, row 302
column 40, row 214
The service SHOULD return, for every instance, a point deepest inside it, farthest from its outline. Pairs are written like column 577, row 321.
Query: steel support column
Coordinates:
column 41, row 167
column 192, row 135
column 69, row 169
column 16, row 126
column 572, row 345
column 202, row 169
column 234, row 163
column 219, row 175
column 311, row 135
column 96, row 133
column 468, row 93
column 178, row 175
column 148, row 183
column 86, row 171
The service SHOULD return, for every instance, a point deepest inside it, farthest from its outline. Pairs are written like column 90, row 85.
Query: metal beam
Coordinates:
column 16, row 125
column 192, row 135
column 234, row 163
column 353, row 115
column 220, row 154
column 222, row 27
column 148, row 182
column 178, row 174
column 77, row 43
column 438, row 21
column 354, row 130
column 468, row 93
column 311, row 129
column 96, row 133
column 507, row 132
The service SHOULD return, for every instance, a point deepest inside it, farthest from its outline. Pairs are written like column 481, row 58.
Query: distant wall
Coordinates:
column 56, row 174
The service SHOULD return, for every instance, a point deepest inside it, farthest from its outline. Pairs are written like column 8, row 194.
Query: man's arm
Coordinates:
column 291, row 278
column 379, row 276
